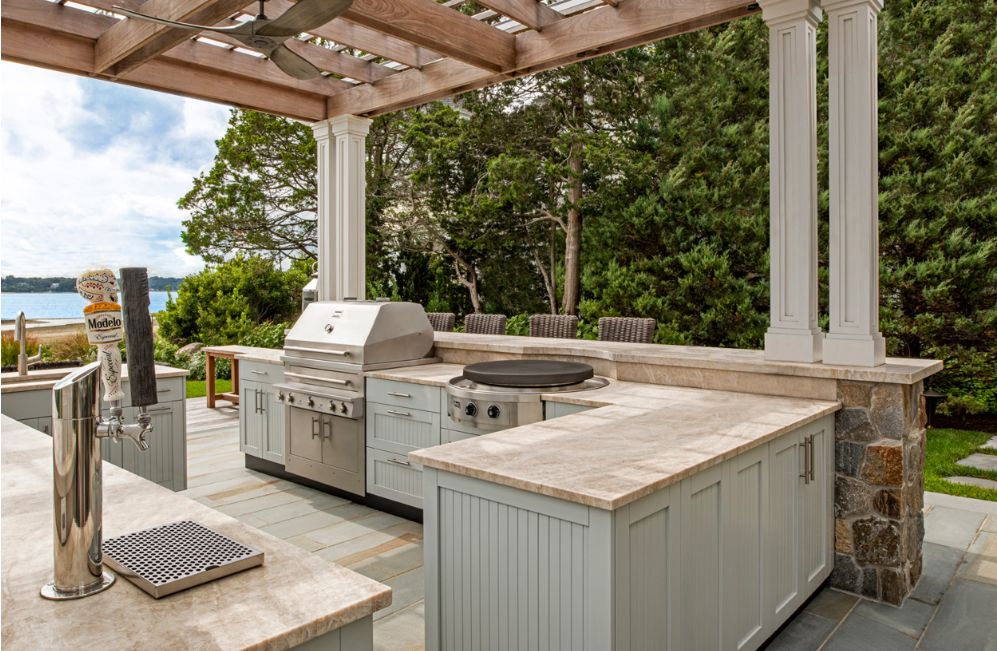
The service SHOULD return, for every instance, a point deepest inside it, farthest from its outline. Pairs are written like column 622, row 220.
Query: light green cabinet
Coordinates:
column 558, row 409
column 261, row 414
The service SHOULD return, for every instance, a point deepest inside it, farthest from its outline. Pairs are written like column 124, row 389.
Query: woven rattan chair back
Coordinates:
column 624, row 328
column 442, row 321
column 485, row 324
column 559, row 326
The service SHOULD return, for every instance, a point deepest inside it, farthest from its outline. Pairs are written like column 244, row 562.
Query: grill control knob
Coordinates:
column 328, row 327
column 471, row 409
column 290, row 398
column 493, row 411
column 311, row 402
column 343, row 407
column 280, row 396
column 332, row 406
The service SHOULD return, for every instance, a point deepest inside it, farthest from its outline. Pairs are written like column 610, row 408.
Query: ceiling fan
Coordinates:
column 267, row 36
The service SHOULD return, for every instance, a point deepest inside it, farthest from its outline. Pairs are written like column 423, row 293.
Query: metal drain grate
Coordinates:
column 173, row 557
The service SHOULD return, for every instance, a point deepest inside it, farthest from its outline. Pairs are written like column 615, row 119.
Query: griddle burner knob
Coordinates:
column 493, row 411
column 343, row 407
column 471, row 409
column 311, row 402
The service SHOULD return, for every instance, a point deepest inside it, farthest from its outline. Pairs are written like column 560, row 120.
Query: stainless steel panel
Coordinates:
column 325, row 449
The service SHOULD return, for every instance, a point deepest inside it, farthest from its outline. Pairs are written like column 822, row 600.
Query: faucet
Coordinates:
column 78, row 427
column 24, row 361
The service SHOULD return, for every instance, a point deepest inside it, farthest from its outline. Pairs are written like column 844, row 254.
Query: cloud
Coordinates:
column 92, row 172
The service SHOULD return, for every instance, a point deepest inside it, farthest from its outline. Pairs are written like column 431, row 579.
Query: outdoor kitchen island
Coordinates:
column 294, row 599
column 697, row 517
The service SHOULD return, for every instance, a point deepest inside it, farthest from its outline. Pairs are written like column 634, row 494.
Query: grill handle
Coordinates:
column 316, row 378
column 322, row 351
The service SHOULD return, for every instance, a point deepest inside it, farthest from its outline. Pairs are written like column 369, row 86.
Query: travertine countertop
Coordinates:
column 638, row 439
column 47, row 378
column 896, row 369
column 291, row 599
column 249, row 353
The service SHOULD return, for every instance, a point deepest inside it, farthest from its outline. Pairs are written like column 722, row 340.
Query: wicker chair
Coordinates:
column 559, row 326
column 622, row 328
column 442, row 321
column 484, row 324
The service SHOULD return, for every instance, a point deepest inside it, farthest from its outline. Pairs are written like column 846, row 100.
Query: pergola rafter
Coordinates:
column 382, row 55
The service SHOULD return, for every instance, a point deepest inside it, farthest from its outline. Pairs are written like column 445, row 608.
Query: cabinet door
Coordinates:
column 703, row 543
column 273, row 438
column 785, row 485
column 252, row 422
column 401, row 429
column 816, row 503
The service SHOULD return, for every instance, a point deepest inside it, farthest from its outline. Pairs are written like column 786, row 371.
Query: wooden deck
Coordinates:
column 379, row 545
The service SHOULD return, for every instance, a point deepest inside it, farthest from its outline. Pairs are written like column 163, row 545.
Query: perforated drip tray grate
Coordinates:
column 173, row 557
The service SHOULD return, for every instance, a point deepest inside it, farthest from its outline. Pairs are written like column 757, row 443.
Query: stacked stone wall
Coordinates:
column 879, row 489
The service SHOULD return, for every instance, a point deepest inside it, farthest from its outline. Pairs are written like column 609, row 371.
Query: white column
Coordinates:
column 793, row 335
column 853, row 336
column 342, row 235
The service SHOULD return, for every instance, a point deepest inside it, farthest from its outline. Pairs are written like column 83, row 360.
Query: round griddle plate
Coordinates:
column 528, row 373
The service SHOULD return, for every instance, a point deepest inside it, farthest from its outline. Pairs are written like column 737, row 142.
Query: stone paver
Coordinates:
column 980, row 461
column 832, row 604
column 860, row 633
column 805, row 632
column 910, row 619
column 991, row 444
column 966, row 619
column 981, row 561
column 974, row 481
column 402, row 631
column 940, row 565
column 951, row 527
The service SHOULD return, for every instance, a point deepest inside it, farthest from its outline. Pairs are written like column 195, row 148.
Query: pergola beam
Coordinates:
column 531, row 13
column 436, row 27
column 593, row 33
column 130, row 43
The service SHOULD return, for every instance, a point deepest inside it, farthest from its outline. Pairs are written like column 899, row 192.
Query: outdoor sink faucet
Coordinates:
column 78, row 426
column 24, row 361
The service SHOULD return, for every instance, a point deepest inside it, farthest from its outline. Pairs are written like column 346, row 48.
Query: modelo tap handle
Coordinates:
column 138, row 337
column 103, row 326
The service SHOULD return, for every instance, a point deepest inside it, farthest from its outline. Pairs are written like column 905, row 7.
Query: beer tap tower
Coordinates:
column 78, row 426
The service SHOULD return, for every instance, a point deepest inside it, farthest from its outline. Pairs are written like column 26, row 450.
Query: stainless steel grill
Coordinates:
column 325, row 356
column 173, row 557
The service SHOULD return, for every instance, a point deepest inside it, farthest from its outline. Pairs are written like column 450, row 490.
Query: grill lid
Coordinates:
column 528, row 373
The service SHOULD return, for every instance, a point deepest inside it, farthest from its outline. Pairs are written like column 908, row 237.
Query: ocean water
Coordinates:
column 57, row 305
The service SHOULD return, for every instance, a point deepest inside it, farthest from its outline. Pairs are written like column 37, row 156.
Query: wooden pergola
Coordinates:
column 384, row 55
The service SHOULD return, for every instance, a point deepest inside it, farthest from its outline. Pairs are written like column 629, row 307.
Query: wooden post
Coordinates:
column 793, row 335
column 853, row 336
column 209, row 379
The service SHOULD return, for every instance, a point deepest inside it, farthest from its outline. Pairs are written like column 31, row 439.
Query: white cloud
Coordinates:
column 88, row 179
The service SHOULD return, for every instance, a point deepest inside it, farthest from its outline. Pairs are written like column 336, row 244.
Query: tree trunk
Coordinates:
column 573, row 232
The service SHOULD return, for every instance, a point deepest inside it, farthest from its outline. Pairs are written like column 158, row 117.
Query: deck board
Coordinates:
column 379, row 545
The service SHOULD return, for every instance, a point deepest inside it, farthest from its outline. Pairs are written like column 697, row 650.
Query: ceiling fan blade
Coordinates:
column 304, row 16
column 293, row 64
column 242, row 28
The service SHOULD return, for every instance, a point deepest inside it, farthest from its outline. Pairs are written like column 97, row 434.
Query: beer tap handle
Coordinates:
column 110, row 373
column 103, row 326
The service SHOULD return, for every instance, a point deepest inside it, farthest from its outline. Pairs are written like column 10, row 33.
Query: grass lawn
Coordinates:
column 945, row 447
column 195, row 388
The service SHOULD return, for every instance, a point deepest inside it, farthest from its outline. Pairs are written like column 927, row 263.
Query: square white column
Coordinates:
column 853, row 336
column 342, row 185
column 793, row 335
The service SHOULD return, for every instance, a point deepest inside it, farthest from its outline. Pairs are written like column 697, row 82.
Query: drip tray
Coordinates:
column 173, row 557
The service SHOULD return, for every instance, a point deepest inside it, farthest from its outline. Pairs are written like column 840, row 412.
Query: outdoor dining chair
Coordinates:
column 624, row 328
column 484, row 324
column 559, row 326
column 442, row 321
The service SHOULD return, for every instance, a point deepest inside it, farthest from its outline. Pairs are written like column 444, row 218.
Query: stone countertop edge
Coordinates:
column 896, row 370
column 162, row 372
column 262, row 355
column 294, row 597
column 608, row 500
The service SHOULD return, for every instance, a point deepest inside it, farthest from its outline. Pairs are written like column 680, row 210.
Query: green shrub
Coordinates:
column 266, row 335
column 518, row 324
column 9, row 349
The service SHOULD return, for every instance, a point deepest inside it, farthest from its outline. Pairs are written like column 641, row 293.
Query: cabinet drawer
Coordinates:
column 260, row 372
column 403, row 394
column 394, row 477
column 170, row 389
column 451, row 435
column 401, row 429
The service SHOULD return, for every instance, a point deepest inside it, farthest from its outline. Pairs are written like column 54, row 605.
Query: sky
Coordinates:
column 91, row 171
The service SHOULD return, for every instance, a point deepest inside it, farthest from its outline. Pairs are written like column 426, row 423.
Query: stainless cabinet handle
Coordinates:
column 328, row 422
column 158, row 410
column 805, row 475
column 165, row 390
column 255, row 372
column 400, row 462
column 399, row 413
column 812, row 464
column 399, row 394
column 315, row 422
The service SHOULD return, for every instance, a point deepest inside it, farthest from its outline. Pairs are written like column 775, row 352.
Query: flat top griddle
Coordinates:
column 528, row 373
